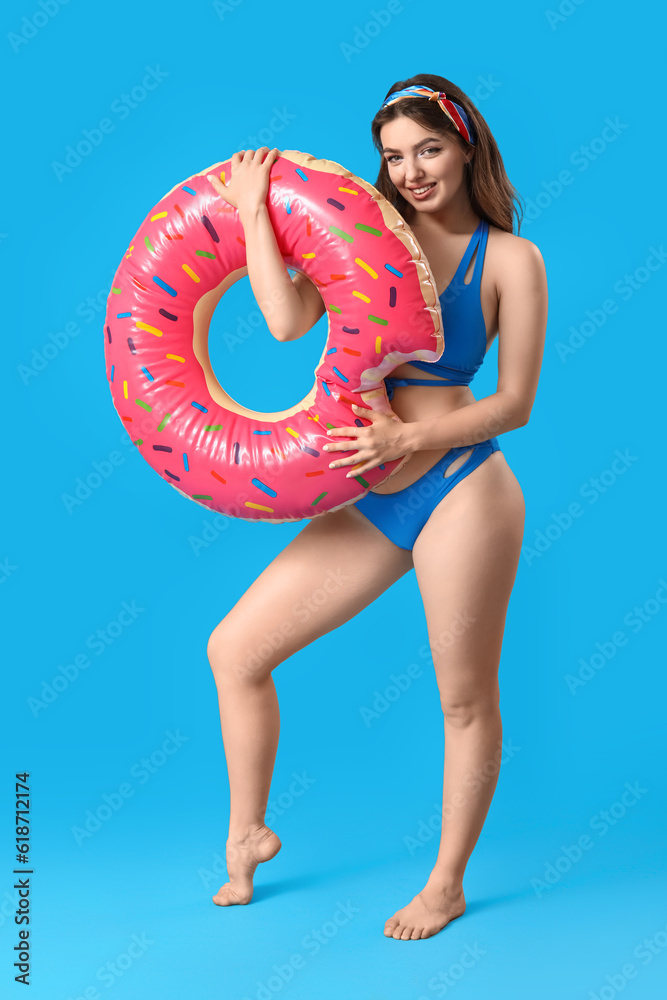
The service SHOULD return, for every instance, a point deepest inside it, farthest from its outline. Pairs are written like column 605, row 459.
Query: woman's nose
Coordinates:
column 412, row 172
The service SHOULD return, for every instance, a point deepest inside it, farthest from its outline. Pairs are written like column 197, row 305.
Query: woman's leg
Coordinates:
column 329, row 572
column 465, row 560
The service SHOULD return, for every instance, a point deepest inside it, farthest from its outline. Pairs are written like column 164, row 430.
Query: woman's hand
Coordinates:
column 383, row 441
column 248, row 185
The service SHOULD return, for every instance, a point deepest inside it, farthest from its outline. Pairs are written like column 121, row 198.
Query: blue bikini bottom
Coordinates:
column 402, row 515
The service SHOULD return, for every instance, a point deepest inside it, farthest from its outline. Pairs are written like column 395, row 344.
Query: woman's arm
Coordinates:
column 289, row 307
column 522, row 323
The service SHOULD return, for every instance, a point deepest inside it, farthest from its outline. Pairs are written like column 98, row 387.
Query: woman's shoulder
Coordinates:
column 509, row 243
column 508, row 252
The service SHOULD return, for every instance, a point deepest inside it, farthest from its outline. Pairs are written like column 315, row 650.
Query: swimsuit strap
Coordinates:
column 415, row 381
column 479, row 259
column 391, row 383
column 470, row 249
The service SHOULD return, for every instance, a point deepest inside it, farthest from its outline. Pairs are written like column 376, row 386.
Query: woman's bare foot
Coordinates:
column 243, row 856
column 430, row 911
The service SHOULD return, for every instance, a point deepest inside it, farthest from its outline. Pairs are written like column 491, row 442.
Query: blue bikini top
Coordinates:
column 462, row 318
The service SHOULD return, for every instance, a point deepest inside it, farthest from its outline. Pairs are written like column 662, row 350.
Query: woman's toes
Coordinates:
column 221, row 896
column 407, row 934
column 226, row 896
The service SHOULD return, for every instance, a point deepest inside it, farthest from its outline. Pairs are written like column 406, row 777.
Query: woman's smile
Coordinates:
column 422, row 192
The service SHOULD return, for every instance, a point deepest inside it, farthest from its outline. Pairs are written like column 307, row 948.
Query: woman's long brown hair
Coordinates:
column 491, row 194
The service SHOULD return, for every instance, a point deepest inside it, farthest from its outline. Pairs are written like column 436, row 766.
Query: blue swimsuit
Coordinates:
column 402, row 515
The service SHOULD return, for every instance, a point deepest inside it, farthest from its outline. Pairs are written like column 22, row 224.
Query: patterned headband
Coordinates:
column 453, row 111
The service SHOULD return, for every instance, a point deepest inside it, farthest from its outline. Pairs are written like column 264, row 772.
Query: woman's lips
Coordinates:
column 425, row 194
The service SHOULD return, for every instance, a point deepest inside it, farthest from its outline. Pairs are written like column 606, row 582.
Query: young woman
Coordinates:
column 454, row 511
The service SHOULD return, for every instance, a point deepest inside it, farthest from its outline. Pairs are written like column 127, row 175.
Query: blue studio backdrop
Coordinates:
column 112, row 582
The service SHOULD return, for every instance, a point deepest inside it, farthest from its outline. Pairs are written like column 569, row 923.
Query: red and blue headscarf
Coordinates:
column 454, row 112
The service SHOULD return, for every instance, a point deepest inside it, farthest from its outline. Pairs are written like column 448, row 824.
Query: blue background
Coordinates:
column 547, row 83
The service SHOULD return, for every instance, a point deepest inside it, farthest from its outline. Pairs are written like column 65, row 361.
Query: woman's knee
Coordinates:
column 464, row 707
column 245, row 658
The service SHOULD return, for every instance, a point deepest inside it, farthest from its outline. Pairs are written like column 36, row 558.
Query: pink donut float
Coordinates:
column 382, row 309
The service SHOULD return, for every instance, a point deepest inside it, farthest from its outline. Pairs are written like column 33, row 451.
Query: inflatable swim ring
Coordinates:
column 382, row 309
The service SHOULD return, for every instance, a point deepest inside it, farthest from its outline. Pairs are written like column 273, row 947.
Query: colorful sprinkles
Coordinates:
column 364, row 281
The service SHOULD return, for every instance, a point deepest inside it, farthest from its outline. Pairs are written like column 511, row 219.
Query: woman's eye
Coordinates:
column 429, row 149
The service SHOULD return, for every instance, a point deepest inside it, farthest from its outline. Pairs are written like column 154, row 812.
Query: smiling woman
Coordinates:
column 487, row 186
column 454, row 512
column 444, row 173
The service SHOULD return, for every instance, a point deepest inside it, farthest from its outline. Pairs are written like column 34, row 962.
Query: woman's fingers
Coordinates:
column 242, row 161
column 259, row 156
column 264, row 154
column 262, row 157
column 217, row 184
column 221, row 189
column 339, row 445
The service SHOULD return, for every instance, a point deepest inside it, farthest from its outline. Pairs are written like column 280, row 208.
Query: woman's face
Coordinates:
column 417, row 158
